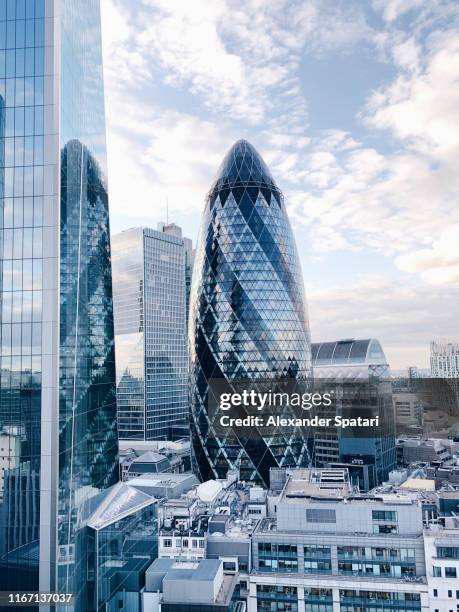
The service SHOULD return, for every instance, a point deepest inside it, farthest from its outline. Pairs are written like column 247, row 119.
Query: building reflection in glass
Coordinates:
column 122, row 542
column 57, row 393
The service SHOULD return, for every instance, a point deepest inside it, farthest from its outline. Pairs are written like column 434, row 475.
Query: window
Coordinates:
column 435, row 592
column 317, row 567
column 450, row 593
column 185, row 542
column 450, row 572
column 277, row 557
column 229, row 566
column 320, row 516
column 448, row 552
column 383, row 528
column 436, row 571
column 167, row 542
column 384, row 521
column 457, row 594
column 384, row 515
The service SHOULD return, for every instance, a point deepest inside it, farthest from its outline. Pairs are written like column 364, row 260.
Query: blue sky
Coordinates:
column 354, row 106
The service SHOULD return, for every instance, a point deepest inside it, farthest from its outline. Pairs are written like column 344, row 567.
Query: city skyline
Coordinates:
column 171, row 437
column 354, row 110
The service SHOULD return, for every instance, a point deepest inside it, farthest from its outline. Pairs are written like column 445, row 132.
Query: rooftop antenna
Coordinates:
column 167, row 210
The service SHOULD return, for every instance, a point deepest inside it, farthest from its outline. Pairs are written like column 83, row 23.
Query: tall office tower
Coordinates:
column 248, row 318
column 357, row 372
column 57, row 356
column 150, row 326
column 444, row 365
column 175, row 230
column 444, row 359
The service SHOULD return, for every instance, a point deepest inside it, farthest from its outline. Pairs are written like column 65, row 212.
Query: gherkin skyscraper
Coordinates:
column 248, row 318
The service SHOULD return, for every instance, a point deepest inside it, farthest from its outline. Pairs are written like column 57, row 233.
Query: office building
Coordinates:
column 444, row 359
column 149, row 292
column 330, row 548
column 57, row 354
column 408, row 410
column 177, row 586
column 138, row 457
column 248, row 319
column 175, row 230
column 444, row 365
column 434, row 451
column 357, row 372
column 122, row 542
column 442, row 563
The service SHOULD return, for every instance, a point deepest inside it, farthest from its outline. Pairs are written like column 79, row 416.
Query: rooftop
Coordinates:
column 326, row 483
column 120, row 501
column 152, row 479
column 348, row 352
column 304, row 485
column 419, row 484
column 149, row 457
column 166, row 572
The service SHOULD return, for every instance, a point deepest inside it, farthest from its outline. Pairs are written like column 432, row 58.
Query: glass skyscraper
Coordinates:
column 248, row 319
column 57, row 394
column 149, row 288
column 357, row 373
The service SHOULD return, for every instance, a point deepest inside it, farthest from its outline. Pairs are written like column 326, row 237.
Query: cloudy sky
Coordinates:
column 353, row 104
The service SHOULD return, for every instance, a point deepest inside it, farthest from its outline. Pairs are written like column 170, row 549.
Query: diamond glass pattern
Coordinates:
column 248, row 318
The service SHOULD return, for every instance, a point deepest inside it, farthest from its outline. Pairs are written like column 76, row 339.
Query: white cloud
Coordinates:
column 397, row 201
column 404, row 318
column 438, row 264
column 186, row 79
column 239, row 60
column 174, row 161
column 393, row 9
column 424, row 107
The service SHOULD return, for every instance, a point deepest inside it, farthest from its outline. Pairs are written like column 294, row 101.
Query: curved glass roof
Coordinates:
column 349, row 351
column 121, row 499
column 243, row 166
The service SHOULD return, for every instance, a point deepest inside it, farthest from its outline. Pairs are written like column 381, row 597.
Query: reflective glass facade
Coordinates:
column 342, row 367
column 58, row 372
column 274, row 598
column 123, row 541
column 149, row 280
column 25, row 204
column 248, row 319
column 352, row 601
